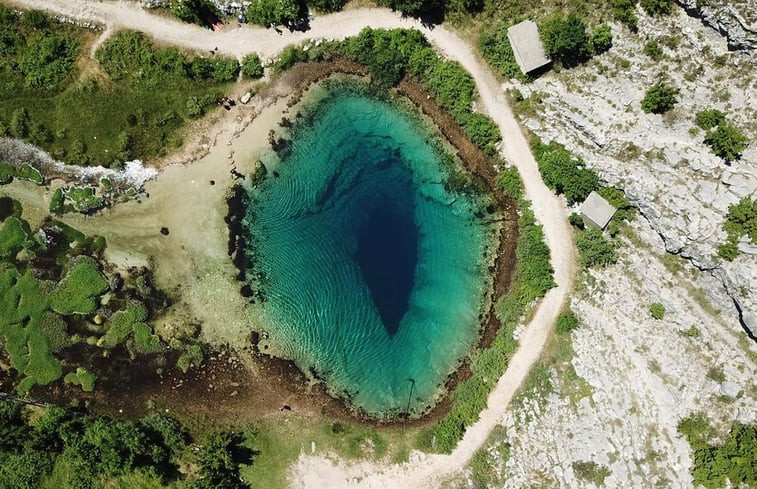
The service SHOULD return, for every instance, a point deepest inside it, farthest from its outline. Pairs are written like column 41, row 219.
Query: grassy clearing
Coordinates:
column 53, row 95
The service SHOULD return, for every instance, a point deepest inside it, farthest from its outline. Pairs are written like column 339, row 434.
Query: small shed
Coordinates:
column 527, row 46
column 596, row 211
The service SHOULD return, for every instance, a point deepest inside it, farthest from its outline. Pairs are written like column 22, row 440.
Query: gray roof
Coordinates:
column 527, row 46
column 597, row 210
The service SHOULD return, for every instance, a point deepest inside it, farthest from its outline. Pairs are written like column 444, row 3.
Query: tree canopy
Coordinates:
column 659, row 99
column 565, row 38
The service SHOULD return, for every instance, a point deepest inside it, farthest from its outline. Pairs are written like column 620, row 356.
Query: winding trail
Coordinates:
column 313, row 471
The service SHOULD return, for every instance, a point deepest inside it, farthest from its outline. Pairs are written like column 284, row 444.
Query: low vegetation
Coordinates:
column 657, row 310
column 728, row 462
column 595, row 250
column 740, row 221
column 563, row 172
column 565, row 38
column 129, row 103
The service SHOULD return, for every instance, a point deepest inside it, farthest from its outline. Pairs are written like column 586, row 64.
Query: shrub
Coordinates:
column 657, row 310
column 251, row 66
column 709, row 118
column 327, row 5
column 496, row 49
column 562, row 172
column 659, row 99
column 566, row 322
column 726, row 142
column 412, row 7
column 625, row 12
column 731, row 461
column 594, row 249
column 656, row 7
column 267, row 12
column 81, row 377
column 601, row 38
column 653, row 50
column 122, row 324
column 483, row 132
column 617, row 198
column 591, row 472
column 565, row 38
column 194, row 11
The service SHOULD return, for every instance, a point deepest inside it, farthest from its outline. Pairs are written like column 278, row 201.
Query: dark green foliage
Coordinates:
column 562, row 172
column 24, row 470
column 741, row 220
column 625, row 12
column 653, row 50
column 47, row 61
column 327, row 5
column 601, row 38
column 659, row 99
column 412, row 7
column 732, row 460
column 219, row 461
column 576, row 220
column 19, row 126
column 565, row 38
column 251, row 67
column 290, row 56
column 656, row 7
column 194, row 11
column 709, row 118
column 496, row 49
column 657, row 310
column 726, row 141
column 566, row 322
column 79, row 289
column 509, row 181
column 267, row 12
column 594, row 249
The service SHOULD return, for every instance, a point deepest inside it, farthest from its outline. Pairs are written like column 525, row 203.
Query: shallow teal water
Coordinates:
column 374, row 275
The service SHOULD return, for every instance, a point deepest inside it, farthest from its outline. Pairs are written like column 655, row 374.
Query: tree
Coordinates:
column 563, row 173
column 601, row 38
column 726, row 141
column 194, row 11
column 659, row 99
column 251, row 66
column 565, row 38
column 656, row 7
column 219, row 462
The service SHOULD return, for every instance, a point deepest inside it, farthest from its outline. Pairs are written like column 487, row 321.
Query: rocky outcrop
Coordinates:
column 736, row 21
column 678, row 185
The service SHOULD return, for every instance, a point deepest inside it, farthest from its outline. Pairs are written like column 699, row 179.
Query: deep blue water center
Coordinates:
column 374, row 275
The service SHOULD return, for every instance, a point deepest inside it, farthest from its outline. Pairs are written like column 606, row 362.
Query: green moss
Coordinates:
column 81, row 377
column 13, row 236
column 144, row 339
column 79, row 289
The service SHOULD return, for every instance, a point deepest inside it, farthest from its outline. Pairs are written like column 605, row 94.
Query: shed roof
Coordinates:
column 527, row 46
column 597, row 210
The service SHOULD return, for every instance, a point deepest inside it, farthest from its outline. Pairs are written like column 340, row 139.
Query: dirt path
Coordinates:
column 314, row 471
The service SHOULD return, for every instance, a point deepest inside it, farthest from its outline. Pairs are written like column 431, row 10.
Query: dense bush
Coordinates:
column 48, row 60
column 709, row 118
column 617, row 198
column 327, row 5
column 594, row 249
column 601, row 38
column 726, row 141
column 195, row 11
column 659, row 99
column 267, row 12
column 625, row 12
column 219, row 461
column 562, row 172
column 653, row 50
column 565, row 38
column 412, row 7
column 727, row 464
column 741, row 220
column 656, row 7
column 251, row 66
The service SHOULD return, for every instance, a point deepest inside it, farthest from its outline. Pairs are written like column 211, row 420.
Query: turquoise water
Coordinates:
column 373, row 274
